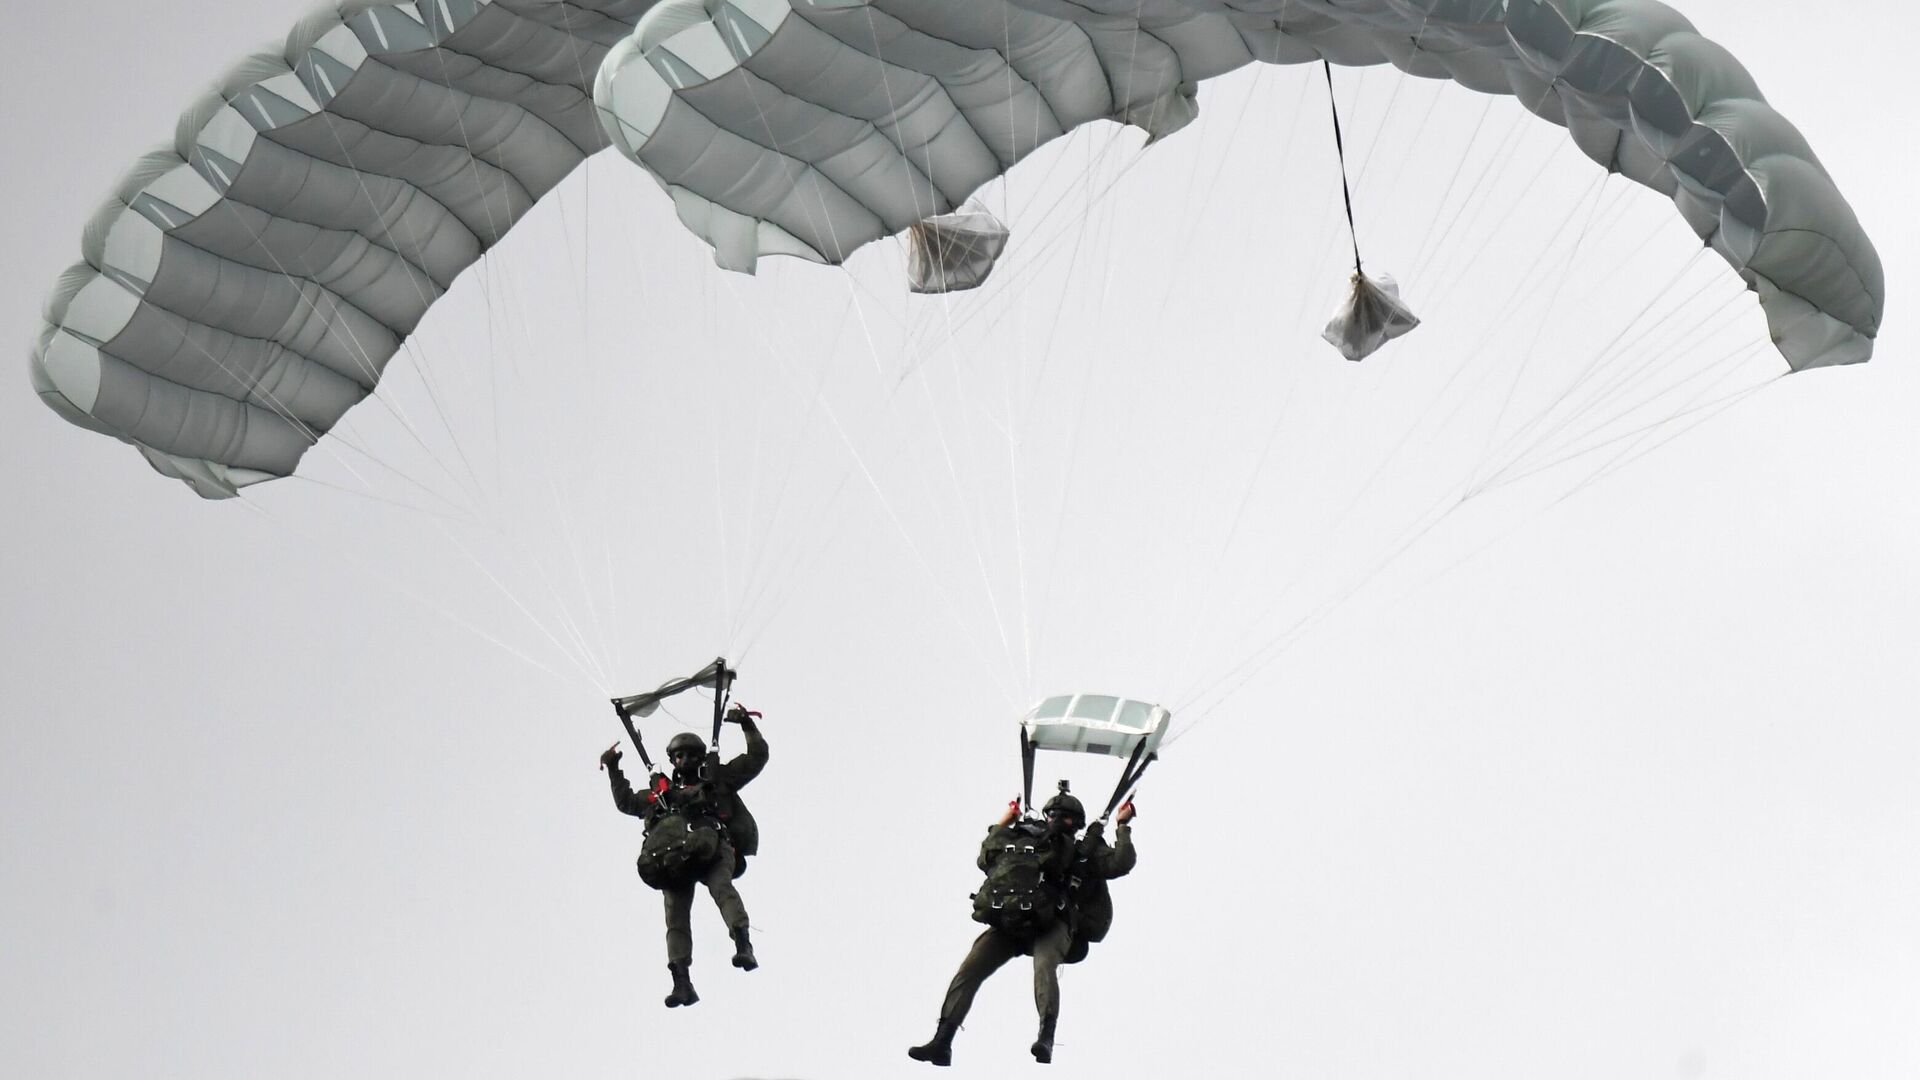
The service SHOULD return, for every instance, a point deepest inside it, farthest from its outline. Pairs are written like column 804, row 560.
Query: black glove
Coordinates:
column 611, row 759
column 739, row 714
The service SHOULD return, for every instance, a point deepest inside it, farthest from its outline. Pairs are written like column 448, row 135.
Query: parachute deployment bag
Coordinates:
column 1016, row 895
column 677, row 851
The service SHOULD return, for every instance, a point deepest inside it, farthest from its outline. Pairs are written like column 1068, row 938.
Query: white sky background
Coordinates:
column 1630, row 793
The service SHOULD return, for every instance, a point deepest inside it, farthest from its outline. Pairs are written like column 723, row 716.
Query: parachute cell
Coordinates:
column 247, row 285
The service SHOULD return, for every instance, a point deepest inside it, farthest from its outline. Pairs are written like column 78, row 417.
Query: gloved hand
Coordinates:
column 611, row 759
column 739, row 714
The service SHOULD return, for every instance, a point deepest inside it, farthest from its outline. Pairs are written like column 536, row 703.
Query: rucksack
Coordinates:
column 1017, row 895
column 678, row 850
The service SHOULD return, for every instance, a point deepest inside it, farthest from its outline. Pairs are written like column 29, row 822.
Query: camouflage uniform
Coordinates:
column 714, row 796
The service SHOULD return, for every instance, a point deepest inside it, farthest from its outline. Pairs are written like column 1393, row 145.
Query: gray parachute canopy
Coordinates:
column 247, row 285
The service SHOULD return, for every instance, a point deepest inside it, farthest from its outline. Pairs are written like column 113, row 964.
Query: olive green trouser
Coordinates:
column 679, row 903
column 991, row 951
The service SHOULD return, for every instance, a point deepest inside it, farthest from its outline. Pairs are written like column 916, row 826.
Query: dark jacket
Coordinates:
column 1095, row 862
column 723, row 784
column 712, row 792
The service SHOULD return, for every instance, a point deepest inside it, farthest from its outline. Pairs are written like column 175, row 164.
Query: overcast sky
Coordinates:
column 1589, row 780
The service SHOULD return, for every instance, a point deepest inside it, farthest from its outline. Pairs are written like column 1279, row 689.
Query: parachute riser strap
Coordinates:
column 1126, row 776
column 1340, row 149
column 1129, row 780
column 633, row 733
column 1026, row 772
column 723, row 682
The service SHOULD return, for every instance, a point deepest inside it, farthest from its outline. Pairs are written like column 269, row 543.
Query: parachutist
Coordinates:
column 698, row 832
column 1045, row 895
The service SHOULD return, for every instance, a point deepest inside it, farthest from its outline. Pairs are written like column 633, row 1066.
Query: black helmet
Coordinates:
column 1067, row 805
column 685, row 741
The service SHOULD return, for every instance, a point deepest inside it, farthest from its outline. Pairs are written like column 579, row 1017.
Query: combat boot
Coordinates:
column 939, row 1049
column 683, row 993
column 743, row 950
column 1043, row 1044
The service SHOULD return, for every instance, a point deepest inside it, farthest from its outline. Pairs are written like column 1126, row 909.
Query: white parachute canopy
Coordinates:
column 954, row 252
column 1096, row 724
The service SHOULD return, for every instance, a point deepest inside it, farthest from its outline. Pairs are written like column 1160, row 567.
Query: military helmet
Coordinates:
column 685, row 741
column 1066, row 804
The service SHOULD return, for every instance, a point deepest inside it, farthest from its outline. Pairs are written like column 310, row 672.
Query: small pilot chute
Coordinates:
column 1373, row 315
column 954, row 252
